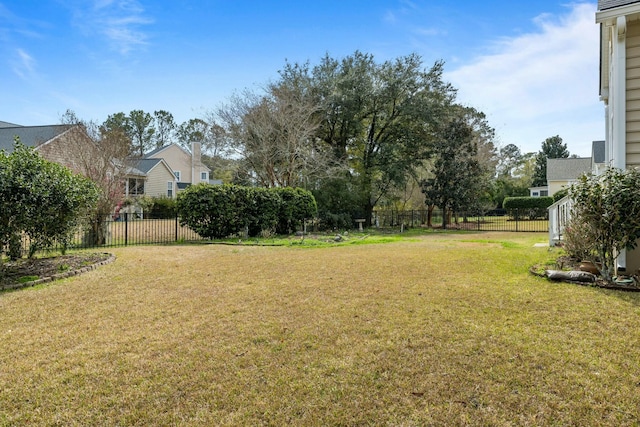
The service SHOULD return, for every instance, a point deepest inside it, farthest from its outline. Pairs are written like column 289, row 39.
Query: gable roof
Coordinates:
column 144, row 166
column 8, row 125
column 31, row 136
column 157, row 154
column 567, row 169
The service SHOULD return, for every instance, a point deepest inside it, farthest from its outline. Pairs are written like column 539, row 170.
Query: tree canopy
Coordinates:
column 552, row 148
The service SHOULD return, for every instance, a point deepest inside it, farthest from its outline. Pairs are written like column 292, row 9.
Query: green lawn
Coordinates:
column 440, row 329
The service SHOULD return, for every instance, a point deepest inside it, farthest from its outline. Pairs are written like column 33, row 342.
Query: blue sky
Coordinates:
column 532, row 67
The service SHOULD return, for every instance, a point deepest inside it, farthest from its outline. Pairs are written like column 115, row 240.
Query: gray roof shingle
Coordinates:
column 8, row 125
column 144, row 165
column 31, row 136
column 567, row 169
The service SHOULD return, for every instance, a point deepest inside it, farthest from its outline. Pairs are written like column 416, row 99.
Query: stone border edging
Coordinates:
column 63, row 275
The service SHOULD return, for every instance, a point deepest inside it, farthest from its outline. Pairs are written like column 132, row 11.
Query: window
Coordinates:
column 170, row 189
column 177, row 174
column 135, row 187
column 544, row 193
column 204, row 176
column 534, row 194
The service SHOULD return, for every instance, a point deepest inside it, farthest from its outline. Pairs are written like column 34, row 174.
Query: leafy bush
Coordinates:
column 531, row 207
column 560, row 194
column 579, row 239
column 296, row 205
column 219, row 211
column 330, row 221
column 610, row 205
column 265, row 213
column 161, row 208
column 42, row 199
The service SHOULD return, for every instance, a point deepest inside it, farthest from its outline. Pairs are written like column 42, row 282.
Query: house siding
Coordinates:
column 633, row 94
column 180, row 160
column 156, row 184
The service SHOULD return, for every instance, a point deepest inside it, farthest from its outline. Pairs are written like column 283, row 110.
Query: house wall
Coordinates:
column 633, row 94
column 179, row 160
column 157, row 178
column 555, row 186
column 70, row 149
column 632, row 147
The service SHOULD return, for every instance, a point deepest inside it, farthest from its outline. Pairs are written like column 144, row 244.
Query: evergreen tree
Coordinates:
column 552, row 148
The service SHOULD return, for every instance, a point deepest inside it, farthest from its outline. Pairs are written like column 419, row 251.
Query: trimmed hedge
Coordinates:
column 531, row 207
column 527, row 202
column 218, row 211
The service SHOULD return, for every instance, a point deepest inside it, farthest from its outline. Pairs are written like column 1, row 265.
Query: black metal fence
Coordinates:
column 131, row 229
column 125, row 229
column 528, row 220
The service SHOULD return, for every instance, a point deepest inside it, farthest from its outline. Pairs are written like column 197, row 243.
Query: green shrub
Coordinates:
column 560, row 194
column 610, row 204
column 579, row 239
column 527, row 207
column 161, row 208
column 217, row 212
column 296, row 205
column 41, row 199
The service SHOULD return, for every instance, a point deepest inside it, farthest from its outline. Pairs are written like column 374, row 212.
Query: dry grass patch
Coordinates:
column 445, row 330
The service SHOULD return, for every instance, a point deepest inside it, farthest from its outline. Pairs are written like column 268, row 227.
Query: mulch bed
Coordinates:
column 31, row 272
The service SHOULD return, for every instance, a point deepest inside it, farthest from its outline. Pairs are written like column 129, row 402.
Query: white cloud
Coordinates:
column 119, row 22
column 24, row 65
column 540, row 84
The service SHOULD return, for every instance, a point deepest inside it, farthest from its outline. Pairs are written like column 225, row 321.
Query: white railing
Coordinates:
column 559, row 214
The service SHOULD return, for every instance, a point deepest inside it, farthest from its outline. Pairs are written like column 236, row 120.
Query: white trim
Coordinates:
column 612, row 14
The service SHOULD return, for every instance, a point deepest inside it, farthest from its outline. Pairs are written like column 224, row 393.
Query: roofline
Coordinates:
column 166, row 166
column 603, row 16
column 55, row 138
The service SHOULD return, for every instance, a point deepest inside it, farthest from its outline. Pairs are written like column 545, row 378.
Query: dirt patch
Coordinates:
column 29, row 272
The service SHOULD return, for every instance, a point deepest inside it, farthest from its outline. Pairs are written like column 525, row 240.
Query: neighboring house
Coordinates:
column 150, row 177
column 620, row 90
column 51, row 142
column 539, row 191
column 186, row 166
column 62, row 144
column 561, row 173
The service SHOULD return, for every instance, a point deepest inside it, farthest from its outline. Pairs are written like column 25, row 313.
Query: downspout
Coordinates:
column 620, row 107
column 620, row 96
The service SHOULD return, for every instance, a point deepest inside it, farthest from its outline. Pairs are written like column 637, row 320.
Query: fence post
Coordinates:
column 176, row 226
column 126, row 226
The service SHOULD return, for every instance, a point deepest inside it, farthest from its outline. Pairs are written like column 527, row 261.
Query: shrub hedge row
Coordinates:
column 218, row 211
column 531, row 207
column 527, row 202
